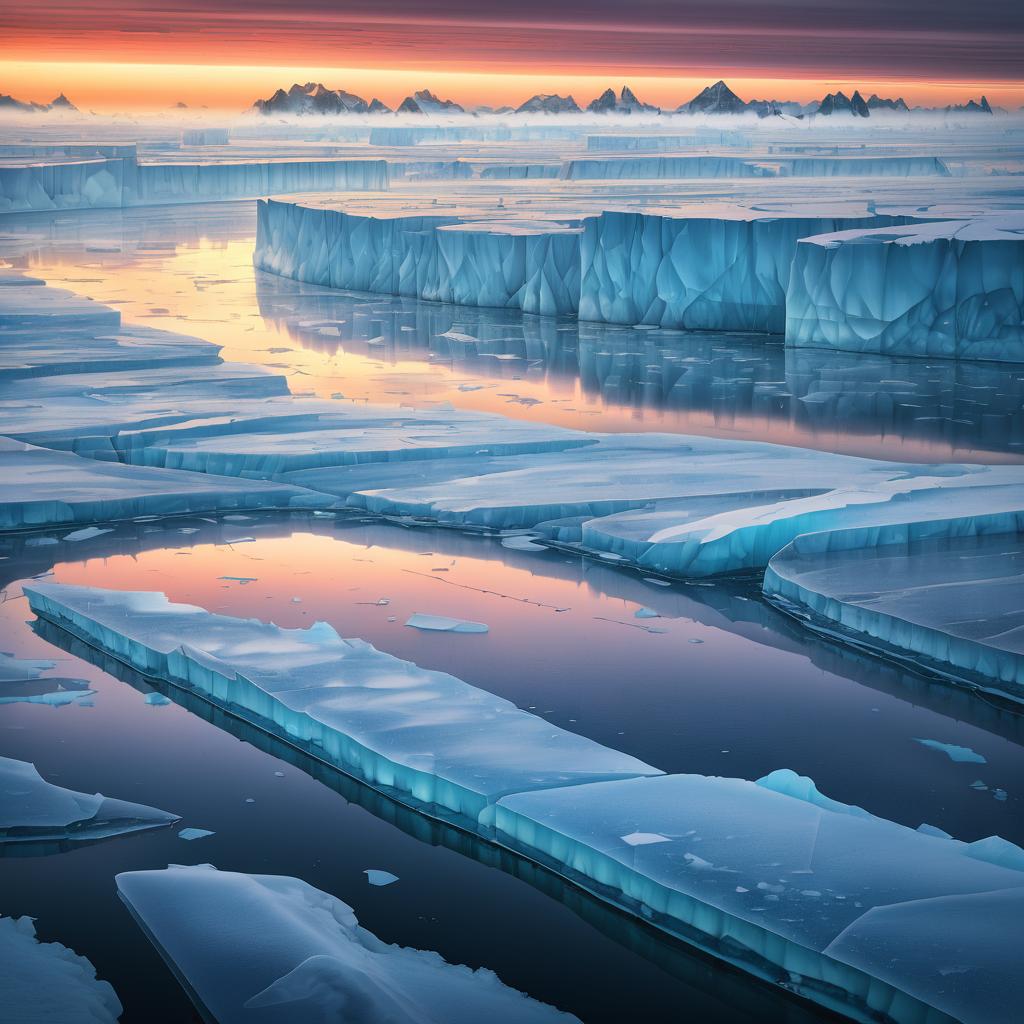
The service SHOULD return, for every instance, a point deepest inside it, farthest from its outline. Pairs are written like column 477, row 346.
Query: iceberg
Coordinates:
column 43, row 982
column 855, row 912
column 427, row 739
column 951, row 288
column 35, row 813
column 311, row 962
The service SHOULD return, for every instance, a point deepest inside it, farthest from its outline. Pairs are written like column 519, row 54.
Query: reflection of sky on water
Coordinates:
column 191, row 270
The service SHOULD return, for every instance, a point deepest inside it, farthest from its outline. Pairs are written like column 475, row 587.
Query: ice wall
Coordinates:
column 519, row 265
column 125, row 182
column 188, row 183
column 946, row 289
column 274, row 949
column 725, row 270
column 642, row 167
column 87, row 184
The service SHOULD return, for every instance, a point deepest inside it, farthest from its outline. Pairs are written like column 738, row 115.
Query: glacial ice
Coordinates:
column 790, row 888
column 718, row 267
column 377, row 877
column 312, row 961
column 33, row 811
column 939, row 591
column 123, row 181
column 953, row 288
column 43, row 982
column 702, row 166
column 531, row 266
column 426, row 738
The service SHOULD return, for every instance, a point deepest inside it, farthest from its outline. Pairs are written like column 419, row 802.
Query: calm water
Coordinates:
column 755, row 693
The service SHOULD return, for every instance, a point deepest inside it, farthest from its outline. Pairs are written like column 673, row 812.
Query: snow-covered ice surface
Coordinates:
column 314, row 962
column 35, row 813
column 426, row 738
column 43, row 982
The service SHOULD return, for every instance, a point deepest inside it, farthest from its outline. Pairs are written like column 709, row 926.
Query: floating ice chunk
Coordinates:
column 646, row 613
column 426, row 738
column 956, row 753
column 275, row 949
column 644, row 838
column 195, row 833
column 157, row 699
column 377, row 877
column 86, row 534
column 522, row 543
column 54, row 698
column 943, row 593
column 35, row 811
column 733, row 874
column 443, row 624
column 45, row 982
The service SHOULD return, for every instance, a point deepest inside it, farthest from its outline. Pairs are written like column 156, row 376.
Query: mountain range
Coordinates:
column 316, row 98
column 29, row 107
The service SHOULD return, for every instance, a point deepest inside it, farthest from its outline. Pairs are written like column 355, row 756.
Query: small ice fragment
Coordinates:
column 157, row 700
column 443, row 624
column 694, row 640
column 740, row 888
column 375, row 877
column 809, row 892
column 953, row 752
column 644, row 838
column 657, row 583
column 646, row 613
column 296, row 600
column 87, row 534
column 194, row 833
column 521, row 543
column 250, row 800
column 999, row 794
column 979, row 785
column 238, row 579
column 280, row 775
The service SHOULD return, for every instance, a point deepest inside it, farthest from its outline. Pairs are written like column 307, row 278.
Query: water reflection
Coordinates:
column 190, row 269
column 745, row 385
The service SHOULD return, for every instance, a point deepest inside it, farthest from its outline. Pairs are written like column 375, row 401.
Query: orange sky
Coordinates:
column 114, row 86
